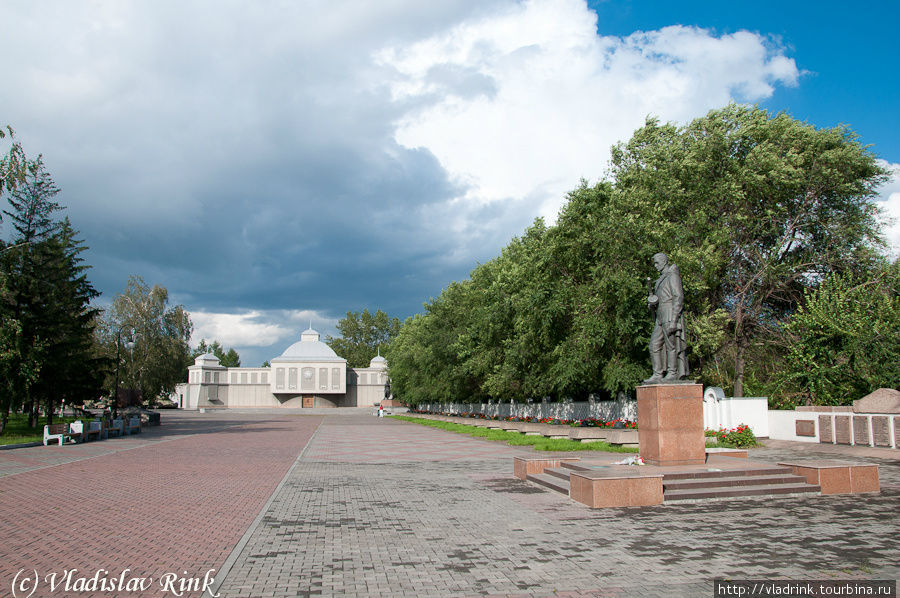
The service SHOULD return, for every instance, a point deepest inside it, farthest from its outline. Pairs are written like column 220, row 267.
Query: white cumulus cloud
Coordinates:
column 889, row 202
column 522, row 103
column 251, row 329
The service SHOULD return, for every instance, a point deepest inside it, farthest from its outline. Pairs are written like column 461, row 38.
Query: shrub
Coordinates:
column 739, row 437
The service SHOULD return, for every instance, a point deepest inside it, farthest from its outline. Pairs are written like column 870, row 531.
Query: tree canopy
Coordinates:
column 756, row 210
column 158, row 336
column 363, row 335
column 228, row 359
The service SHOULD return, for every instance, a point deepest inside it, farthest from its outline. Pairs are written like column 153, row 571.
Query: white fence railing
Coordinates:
column 623, row 408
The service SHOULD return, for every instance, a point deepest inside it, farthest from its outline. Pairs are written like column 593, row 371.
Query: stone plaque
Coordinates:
column 860, row 430
column 842, row 429
column 881, row 431
column 826, row 434
column 897, row 432
column 805, row 427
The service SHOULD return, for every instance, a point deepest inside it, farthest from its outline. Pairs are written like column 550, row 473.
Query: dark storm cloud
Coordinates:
column 240, row 156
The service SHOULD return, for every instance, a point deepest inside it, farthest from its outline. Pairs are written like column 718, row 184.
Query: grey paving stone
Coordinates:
column 383, row 508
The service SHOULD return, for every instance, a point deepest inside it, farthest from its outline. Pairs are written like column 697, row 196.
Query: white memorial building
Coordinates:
column 308, row 374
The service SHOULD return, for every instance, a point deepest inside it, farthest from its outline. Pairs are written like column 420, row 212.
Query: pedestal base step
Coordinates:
column 734, row 483
column 550, row 479
column 670, row 496
column 600, row 486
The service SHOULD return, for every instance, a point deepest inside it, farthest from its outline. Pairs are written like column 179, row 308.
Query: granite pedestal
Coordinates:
column 670, row 424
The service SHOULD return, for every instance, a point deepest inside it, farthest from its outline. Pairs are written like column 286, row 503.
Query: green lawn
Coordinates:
column 18, row 432
column 540, row 443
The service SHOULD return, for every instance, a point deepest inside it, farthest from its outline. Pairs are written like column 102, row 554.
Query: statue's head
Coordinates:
column 660, row 261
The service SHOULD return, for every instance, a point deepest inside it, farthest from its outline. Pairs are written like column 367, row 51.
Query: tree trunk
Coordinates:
column 4, row 418
column 49, row 411
column 32, row 418
column 739, row 370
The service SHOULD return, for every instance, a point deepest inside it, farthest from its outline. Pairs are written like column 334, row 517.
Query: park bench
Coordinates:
column 117, row 427
column 133, row 425
column 95, row 429
column 62, row 432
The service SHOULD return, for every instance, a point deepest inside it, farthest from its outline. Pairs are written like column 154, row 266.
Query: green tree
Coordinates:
column 159, row 337
column 228, row 359
column 363, row 335
column 844, row 342
column 47, row 323
column 13, row 164
column 755, row 208
column 31, row 213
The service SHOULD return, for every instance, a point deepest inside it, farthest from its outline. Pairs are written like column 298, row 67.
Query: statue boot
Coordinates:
column 672, row 369
column 658, row 368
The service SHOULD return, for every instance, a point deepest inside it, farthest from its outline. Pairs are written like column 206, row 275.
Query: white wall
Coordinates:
column 730, row 412
column 783, row 425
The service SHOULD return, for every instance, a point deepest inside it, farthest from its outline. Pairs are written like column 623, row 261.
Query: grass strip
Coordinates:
column 540, row 443
column 18, row 432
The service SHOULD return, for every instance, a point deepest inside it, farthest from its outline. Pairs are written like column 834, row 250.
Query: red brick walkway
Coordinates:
column 178, row 506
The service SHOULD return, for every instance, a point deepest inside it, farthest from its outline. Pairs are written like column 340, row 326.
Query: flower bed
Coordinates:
column 739, row 437
column 591, row 422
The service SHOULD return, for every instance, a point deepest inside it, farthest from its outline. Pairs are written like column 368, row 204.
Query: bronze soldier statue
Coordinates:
column 668, row 341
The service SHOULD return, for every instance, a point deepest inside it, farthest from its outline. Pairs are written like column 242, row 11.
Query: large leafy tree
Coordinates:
column 363, row 335
column 156, row 336
column 844, row 342
column 755, row 208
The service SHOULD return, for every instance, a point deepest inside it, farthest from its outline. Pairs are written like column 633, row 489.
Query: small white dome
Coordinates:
column 206, row 357
column 378, row 361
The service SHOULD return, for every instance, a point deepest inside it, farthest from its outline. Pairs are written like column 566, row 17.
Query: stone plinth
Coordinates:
column 670, row 424
column 525, row 466
column 599, row 489
column 838, row 477
column 588, row 434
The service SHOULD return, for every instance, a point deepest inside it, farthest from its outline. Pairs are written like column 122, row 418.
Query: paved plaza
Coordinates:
column 344, row 504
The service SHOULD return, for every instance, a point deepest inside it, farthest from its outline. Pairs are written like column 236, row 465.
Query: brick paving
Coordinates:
column 385, row 508
column 378, row 507
column 174, row 499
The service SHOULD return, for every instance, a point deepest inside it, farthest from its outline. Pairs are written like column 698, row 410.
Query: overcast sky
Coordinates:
column 272, row 163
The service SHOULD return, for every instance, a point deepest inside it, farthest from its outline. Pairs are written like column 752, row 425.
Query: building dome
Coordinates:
column 309, row 348
column 378, row 362
column 206, row 358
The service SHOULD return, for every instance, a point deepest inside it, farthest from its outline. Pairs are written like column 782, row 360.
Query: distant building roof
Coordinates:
column 205, row 357
column 309, row 348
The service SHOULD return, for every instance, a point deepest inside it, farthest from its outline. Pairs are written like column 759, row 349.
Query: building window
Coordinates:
column 335, row 378
column 309, row 379
column 234, row 377
column 292, row 377
column 265, row 378
column 279, row 378
column 323, row 378
column 253, row 378
column 207, row 376
column 243, row 377
column 362, row 379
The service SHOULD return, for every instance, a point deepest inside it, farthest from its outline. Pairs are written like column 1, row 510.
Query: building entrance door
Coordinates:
column 309, row 402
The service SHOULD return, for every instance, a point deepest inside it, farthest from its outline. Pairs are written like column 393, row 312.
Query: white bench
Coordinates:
column 63, row 432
